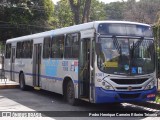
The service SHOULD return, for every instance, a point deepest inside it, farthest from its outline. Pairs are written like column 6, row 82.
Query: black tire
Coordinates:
column 22, row 82
column 70, row 93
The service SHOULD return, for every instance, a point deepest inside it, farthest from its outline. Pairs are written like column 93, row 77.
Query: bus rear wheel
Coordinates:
column 22, row 82
column 70, row 93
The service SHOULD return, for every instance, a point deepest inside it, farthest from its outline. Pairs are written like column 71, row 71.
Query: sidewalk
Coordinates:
column 7, row 84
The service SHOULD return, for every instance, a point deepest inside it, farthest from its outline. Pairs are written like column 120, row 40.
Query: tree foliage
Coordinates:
column 78, row 7
column 63, row 15
column 145, row 11
column 97, row 11
column 70, row 12
column 22, row 17
column 114, row 11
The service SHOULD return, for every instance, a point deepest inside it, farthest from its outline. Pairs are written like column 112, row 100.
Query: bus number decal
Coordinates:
column 99, row 74
column 65, row 65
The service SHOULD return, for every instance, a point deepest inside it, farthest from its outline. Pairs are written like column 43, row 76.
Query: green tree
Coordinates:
column 63, row 15
column 42, row 11
column 143, row 11
column 22, row 17
column 97, row 11
column 114, row 11
column 66, row 17
column 80, row 10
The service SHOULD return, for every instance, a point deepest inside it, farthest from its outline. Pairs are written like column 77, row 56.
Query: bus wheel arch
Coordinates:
column 69, row 91
column 22, row 81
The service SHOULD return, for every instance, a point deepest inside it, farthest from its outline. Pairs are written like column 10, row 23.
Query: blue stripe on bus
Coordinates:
column 42, row 76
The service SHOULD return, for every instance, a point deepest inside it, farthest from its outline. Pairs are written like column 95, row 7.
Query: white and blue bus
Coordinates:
column 99, row 62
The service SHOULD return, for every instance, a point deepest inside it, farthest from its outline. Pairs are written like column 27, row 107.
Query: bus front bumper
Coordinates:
column 106, row 96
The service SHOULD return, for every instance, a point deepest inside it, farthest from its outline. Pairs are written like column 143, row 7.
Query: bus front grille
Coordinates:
column 129, row 81
column 129, row 96
column 126, row 88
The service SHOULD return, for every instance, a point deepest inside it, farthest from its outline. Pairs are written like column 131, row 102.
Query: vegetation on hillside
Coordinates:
column 23, row 17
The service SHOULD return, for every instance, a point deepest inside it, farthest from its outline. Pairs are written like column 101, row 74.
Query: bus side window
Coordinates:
column 18, row 50
column 25, row 50
column 31, row 49
column 72, row 46
column 22, row 50
column 57, row 47
column 8, row 51
column 46, row 47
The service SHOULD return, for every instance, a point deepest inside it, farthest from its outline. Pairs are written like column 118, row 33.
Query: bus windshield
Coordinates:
column 129, row 56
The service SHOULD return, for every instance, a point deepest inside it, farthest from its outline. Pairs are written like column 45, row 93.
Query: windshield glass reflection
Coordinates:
column 126, row 56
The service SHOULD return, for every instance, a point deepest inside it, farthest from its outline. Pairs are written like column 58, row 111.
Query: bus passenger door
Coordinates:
column 85, row 69
column 37, row 65
column 13, row 50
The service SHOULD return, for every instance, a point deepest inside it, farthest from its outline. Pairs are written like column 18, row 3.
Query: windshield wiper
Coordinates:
column 135, row 45
column 116, row 44
column 138, row 43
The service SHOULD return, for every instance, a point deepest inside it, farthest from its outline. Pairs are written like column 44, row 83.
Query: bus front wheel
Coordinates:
column 22, row 82
column 70, row 93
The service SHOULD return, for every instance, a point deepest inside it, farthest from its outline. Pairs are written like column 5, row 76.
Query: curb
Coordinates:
column 152, row 105
column 9, row 86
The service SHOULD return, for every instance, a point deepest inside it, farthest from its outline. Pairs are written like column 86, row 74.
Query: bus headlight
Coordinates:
column 150, row 85
column 106, row 85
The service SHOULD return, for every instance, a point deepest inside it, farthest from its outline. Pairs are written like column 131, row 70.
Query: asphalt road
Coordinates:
column 17, row 100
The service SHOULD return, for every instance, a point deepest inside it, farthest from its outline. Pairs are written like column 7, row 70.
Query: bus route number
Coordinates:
column 99, row 74
column 65, row 65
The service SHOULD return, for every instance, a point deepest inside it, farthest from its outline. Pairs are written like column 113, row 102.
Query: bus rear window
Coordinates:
column 8, row 51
